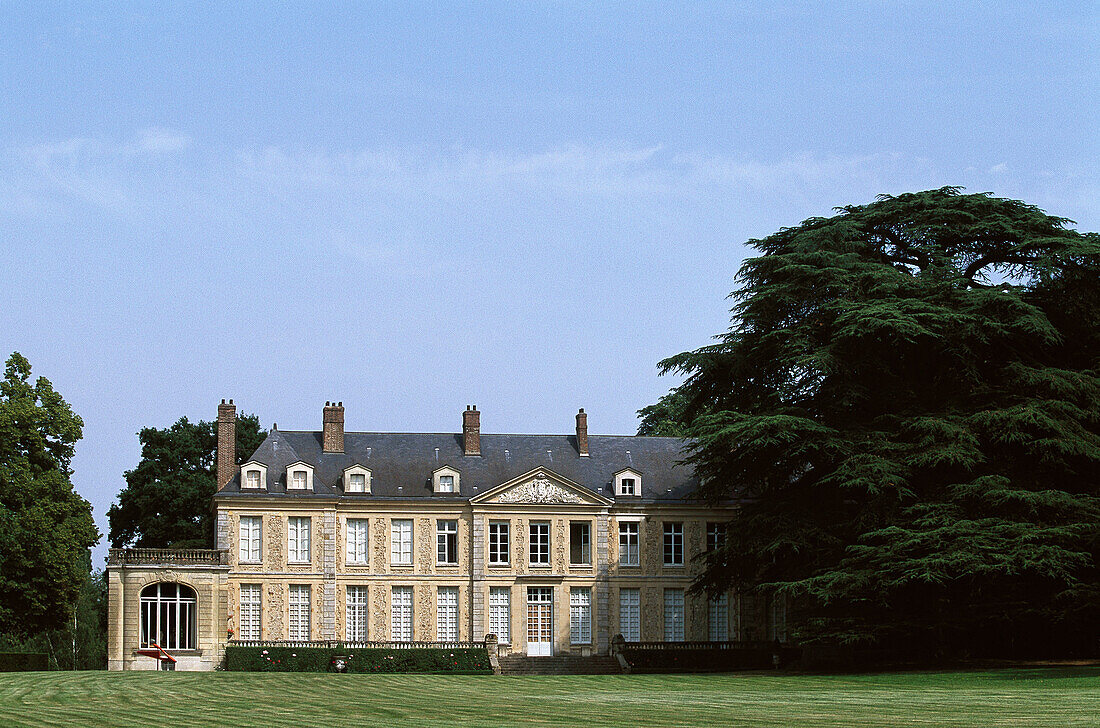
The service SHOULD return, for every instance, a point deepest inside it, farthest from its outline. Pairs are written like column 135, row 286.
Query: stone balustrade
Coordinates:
column 176, row 557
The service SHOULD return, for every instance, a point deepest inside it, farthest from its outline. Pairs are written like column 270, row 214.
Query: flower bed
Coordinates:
column 465, row 661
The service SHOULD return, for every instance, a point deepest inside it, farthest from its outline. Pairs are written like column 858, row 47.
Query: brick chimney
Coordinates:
column 471, row 430
column 582, row 433
column 333, row 440
column 227, row 442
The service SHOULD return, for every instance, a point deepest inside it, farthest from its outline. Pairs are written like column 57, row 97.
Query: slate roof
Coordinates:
column 402, row 464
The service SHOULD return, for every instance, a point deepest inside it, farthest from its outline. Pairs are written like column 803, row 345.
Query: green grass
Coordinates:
column 1019, row 698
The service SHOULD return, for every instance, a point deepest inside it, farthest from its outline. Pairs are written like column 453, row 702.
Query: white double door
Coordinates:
column 540, row 621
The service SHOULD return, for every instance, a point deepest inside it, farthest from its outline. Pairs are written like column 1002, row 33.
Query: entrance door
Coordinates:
column 540, row 621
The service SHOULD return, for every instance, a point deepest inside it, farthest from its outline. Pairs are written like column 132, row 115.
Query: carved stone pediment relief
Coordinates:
column 539, row 490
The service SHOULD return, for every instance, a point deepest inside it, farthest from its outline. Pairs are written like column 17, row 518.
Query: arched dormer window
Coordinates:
column 299, row 476
column 253, row 476
column 168, row 616
column 356, row 479
column 445, row 480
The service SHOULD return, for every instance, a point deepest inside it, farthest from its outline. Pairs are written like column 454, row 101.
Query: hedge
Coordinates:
column 708, row 659
column 468, row 661
column 23, row 661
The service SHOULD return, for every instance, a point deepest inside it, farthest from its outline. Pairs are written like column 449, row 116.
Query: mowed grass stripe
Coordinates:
column 1017, row 698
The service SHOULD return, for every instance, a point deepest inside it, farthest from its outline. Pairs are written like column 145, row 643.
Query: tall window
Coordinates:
column 674, row 543
column 357, row 541
column 446, row 614
column 250, row 612
column 718, row 618
column 446, row 484
column 357, row 483
column 299, row 612
column 298, row 480
column 498, row 542
column 580, row 542
column 630, row 614
column 168, row 616
column 716, row 536
column 674, row 615
column 356, row 613
column 540, row 543
column 580, row 615
column 250, row 539
column 628, row 543
column 401, row 541
column 298, row 540
column 446, row 542
column 500, row 614
column 401, row 614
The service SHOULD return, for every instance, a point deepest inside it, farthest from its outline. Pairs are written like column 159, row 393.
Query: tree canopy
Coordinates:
column 166, row 501
column 46, row 529
column 907, row 405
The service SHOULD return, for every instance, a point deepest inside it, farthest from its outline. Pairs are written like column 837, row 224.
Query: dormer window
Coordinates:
column 357, row 482
column 445, row 480
column 628, row 485
column 446, row 484
column 252, row 479
column 299, row 476
column 298, row 480
column 253, row 476
column 356, row 479
column 628, row 482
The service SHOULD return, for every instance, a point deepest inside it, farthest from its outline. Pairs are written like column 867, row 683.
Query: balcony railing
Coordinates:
column 356, row 645
column 178, row 557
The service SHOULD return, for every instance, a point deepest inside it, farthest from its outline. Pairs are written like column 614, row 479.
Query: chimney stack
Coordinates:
column 471, row 430
column 582, row 433
column 333, row 440
column 227, row 442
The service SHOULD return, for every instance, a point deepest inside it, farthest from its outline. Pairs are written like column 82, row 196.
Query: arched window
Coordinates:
column 168, row 616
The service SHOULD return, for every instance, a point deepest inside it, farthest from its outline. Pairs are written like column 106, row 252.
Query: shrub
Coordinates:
column 23, row 661
column 369, row 660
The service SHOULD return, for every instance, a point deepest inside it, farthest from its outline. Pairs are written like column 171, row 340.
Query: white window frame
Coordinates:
column 169, row 620
column 353, row 472
column 446, row 614
column 630, row 535
column 401, row 541
column 299, row 607
column 500, row 543
column 250, row 540
column 401, row 614
column 357, row 613
column 446, row 483
column 630, row 614
column 252, row 478
column 718, row 618
column 292, row 483
column 297, row 540
column 674, row 615
column 672, row 543
column 446, row 542
column 580, row 615
column 250, row 611
column 500, row 613
column 358, row 541
column 539, row 543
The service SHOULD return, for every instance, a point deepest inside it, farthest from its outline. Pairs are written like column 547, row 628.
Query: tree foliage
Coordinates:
column 46, row 529
column 166, row 501
column 908, row 406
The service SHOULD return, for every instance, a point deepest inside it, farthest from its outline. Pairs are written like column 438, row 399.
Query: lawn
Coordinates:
column 1018, row 698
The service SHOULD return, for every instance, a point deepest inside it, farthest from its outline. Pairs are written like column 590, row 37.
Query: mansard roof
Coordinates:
column 402, row 464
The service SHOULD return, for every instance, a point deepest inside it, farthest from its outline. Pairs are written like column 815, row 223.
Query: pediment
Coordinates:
column 541, row 486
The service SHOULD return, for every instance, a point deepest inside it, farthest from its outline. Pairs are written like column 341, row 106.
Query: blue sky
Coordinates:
column 411, row 208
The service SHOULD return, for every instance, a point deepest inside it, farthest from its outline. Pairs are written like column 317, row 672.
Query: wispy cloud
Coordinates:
column 157, row 140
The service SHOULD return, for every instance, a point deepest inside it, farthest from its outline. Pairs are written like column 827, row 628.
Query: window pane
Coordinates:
column 447, row 542
column 500, row 614
column 401, row 614
column 540, row 543
column 674, row 544
column 718, row 619
column 580, row 615
column 628, row 544
column 356, row 613
column 357, row 541
column 250, row 611
column 357, row 483
column 674, row 615
column 401, row 541
column 299, row 612
column 630, row 614
column 498, row 543
column 298, row 540
column 580, row 544
column 446, row 614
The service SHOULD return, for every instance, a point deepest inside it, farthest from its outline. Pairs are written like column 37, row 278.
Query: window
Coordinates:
column 446, row 614
column 446, row 484
column 674, row 544
column 716, row 536
column 168, row 616
column 580, row 543
column 401, row 614
column 401, row 542
column 498, row 543
column 628, row 543
column 252, row 479
column 357, row 483
column 446, row 541
column 627, row 486
column 500, row 614
column 356, row 614
column 298, row 480
column 540, row 543
column 628, row 483
column 298, row 540
column 580, row 616
column 630, row 614
column 445, row 480
column 299, row 612
column 250, row 540
column 674, row 615
column 356, row 479
column 357, row 541
column 250, row 612
column 718, row 619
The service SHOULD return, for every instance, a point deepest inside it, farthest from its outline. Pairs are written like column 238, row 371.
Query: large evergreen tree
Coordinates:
column 908, row 405
column 46, row 529
column 166, row 501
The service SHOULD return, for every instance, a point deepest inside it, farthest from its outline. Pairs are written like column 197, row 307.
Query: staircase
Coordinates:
column 562, row 665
